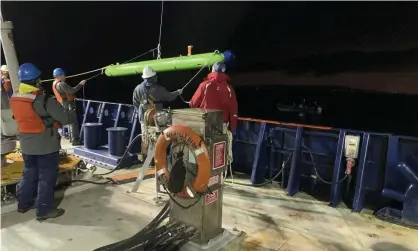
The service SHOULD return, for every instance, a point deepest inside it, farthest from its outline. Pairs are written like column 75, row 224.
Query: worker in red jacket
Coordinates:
column 215, row 93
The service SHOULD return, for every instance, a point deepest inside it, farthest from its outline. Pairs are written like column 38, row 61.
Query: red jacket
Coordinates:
column 215, row 93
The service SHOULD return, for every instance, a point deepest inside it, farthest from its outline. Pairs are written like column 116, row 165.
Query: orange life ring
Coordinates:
column 196, row 145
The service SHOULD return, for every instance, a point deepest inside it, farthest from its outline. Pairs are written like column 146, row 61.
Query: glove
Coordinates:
column 180, row 91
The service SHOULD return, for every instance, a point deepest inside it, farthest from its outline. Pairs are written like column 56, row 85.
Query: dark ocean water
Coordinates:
column 342, row 108
column 359, row 110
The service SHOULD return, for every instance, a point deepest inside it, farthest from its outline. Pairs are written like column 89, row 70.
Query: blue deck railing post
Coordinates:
column 117, row 116
column 338, row 169
column 86, row 112
column 392, row 159
column 295, row 169
column 260, row 157
column 360, row 191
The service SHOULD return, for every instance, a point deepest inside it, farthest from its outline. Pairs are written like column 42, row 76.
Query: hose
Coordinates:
column 268, row 181
column 163, row 214
column 178, row 203
column 96, row 183
column 316, row 171
column 182, row 239
column 118, row 166
column 173, row 234
column 125, row 154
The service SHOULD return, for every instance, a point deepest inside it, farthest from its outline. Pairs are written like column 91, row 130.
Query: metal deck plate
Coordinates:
column 102, row 158
column 214, row 244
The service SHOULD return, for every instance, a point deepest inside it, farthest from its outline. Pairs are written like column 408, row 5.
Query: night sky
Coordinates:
column 367, row 45
column 292, row 39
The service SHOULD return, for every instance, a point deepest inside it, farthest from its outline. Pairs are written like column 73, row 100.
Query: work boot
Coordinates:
column 55, row 213
column 25, row 210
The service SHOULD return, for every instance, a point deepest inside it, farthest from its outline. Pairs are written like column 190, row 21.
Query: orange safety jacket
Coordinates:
column 28, row 121
column 70, row 97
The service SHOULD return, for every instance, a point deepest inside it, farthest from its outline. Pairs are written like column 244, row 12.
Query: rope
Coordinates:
column 230, row 158
column 190, row 81
column 101, row 69
column 101, row 73
column 161, row 27
column 143, row 54
column 80, row 74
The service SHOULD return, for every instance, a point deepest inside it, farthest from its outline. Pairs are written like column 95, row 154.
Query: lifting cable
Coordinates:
column 197, row 73
column 158, row 49
column 161, row 27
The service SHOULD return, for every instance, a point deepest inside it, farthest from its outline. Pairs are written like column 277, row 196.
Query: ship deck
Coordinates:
column 270, row 220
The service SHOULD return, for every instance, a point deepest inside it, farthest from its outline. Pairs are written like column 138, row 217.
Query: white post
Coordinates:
column 10, row 52
column 8, row 124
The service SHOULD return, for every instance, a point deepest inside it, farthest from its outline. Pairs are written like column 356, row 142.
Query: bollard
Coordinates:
column 117, row 140
column 92, row 135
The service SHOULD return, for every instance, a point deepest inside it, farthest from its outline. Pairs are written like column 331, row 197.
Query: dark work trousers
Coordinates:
column 73, row 128
column 40, row 173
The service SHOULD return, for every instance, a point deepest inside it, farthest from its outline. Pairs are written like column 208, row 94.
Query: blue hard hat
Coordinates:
column 28, row 72
column 58, row 72
column 219, row 67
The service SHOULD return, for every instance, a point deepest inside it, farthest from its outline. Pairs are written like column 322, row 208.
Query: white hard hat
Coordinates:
column 4, row 68
column 148, row 72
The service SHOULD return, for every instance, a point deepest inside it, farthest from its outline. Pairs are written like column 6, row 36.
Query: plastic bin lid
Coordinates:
column 116, row 129
column 92, row 124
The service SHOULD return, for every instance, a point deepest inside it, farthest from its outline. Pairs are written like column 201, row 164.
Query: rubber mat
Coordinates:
column 11, row 173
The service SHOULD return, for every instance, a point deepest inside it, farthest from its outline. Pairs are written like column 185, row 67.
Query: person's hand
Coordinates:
column 180, row 91
column 83, row 82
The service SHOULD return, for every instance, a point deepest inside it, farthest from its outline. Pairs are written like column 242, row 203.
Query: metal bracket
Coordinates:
column 144, row 170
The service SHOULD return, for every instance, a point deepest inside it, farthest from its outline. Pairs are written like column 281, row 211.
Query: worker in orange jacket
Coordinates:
column 65, row 95
column 6, row 84
column 38, row 118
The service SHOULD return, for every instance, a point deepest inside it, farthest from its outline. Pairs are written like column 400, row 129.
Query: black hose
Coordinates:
column 109, row 181
column 125, row 154
column 139, row 239
column 163, row 214
column 146, row 240
column 174, row 233
column 178, row 203
column 316, row 171
column 268, row 181
column 181, row 240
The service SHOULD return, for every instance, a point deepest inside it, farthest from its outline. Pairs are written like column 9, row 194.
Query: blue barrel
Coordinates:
column 92, row 135
column 117, row 140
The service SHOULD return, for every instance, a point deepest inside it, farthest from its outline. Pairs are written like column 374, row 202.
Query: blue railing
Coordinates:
column 261, row 147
